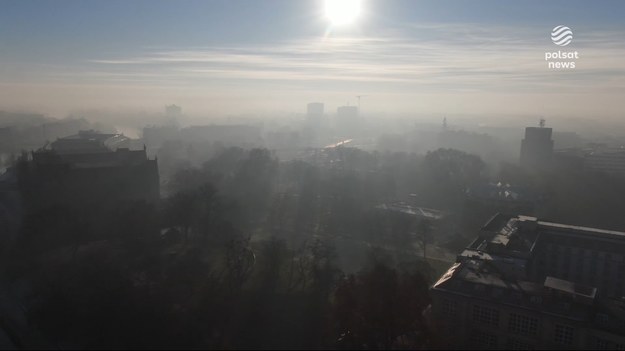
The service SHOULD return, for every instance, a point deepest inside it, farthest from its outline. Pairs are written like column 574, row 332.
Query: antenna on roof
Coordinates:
column 359, row 96
column 542, row 123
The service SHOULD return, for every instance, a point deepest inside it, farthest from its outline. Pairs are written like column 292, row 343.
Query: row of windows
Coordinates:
column 518, row 324
column 523, row 325
column 602, row 344
column 515, row 344
column 450, row 308
column 483, row 340
column 587, row 248
column 563, row 335
column 486, row 315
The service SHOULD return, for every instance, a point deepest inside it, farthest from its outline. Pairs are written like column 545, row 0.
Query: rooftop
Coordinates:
column 120, row 157
column 89, row 141
column 570, row 288
column 579, row 230
column 494, row 267
column 481, row 280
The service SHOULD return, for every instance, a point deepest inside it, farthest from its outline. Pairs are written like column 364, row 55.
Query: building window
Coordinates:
column 514, row 344
column 563, row 335
column 523, row 325
column 602, row 344
column 601, row 319
column 486, row 315
column 450, row 307
column 536, row 299
column 483, row 340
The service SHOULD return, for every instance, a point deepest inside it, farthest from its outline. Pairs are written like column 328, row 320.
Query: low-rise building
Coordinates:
column 85, row 169
column 608, row 160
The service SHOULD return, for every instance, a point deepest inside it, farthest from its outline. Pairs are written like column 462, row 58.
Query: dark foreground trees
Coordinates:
column 239, row 254
column 381, row 307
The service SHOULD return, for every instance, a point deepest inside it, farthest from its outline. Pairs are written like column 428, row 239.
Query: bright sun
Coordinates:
column 341, row 12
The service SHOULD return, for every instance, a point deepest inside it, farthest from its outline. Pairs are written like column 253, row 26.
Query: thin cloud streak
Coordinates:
column 459, row 65
column 457, row 57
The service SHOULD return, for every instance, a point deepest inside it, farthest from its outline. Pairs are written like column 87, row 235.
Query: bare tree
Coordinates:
column 424, row 229
column 240, row 260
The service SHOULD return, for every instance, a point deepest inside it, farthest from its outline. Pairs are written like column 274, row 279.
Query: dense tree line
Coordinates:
column 245, row 251
column 239, row 254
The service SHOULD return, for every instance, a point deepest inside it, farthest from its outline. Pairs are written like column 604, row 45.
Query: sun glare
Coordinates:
column 341, row 12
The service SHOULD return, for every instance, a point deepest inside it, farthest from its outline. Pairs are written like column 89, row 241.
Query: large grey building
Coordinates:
column 86, row 168
column 314, row 110
column 348, row 122
column 608, row 160
column 530, row 284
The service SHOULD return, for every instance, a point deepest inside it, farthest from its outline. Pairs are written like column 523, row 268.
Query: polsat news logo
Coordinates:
column 561, row 60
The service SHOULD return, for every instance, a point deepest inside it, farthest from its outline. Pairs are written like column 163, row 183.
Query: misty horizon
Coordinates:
column 427, row 59
column 316, row 174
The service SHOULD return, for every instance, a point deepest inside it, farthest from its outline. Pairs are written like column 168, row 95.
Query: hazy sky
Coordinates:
column 274, row 56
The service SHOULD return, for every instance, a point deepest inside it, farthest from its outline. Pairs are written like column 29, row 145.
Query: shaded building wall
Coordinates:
column 43, row 184
column 459, row 324
column 537, row 148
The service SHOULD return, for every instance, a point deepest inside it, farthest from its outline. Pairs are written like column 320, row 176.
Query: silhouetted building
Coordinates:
column 483, row 145
column 597, row 158
column 10, row 206
column 173, row 110
column 83, row 169
column 537, row 148
column 348, row 122
column 569, row 159
column 313, row 124
column 608, row 160
column 567, row 140
column 529, row 284
column 314, row 110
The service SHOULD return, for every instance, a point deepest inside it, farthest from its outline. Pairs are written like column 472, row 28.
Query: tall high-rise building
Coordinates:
column 314, row 109
column 348, row 122
column 537, row 147
column 348, row 112
column 313, row 124
column 173, row 113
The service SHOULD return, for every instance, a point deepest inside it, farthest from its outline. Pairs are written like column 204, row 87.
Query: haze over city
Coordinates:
column 320, row 174
column 224, row 57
